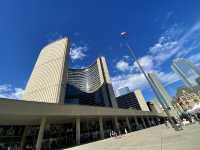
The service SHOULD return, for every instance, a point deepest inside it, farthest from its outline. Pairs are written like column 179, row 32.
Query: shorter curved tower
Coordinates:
column 90, row 86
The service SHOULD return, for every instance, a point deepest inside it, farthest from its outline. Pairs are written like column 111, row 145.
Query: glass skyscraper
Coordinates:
column 198, row 80
column 187, row 71
column 123, row 91
column 162, row 95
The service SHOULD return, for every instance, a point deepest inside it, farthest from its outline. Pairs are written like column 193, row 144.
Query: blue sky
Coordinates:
column 159, row 31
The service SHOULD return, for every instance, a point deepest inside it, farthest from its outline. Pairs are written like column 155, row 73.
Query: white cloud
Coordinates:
column 195, row 58
column 130, row 80
column 137, row 80
column 7, row 91
column 168, row 78
column 165, row 51
column 78, row 52
column 123, row 66
column 190, row 40
column 167, row 45
column 126, row 57
column 146, row 62
column 176, row 42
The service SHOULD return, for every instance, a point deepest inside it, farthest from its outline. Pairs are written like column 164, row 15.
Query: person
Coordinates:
column 125, row 131
column 114, row 133
column 9, row 147
column 166, row 124
column 111, row 133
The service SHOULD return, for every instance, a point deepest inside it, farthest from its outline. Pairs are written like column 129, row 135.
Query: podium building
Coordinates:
column 65, row 107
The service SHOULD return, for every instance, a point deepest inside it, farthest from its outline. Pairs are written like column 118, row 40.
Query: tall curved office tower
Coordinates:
column 187, row 71
column 53, row 82
column 49, row 76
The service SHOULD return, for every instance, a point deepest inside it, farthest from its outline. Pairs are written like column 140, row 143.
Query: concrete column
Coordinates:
column 158, row 120
column 128, row 124
column 78, row 131
column 143, row 122
column 149, row 121
column 136, row 121
column 23, row 140
column 116, row 123
column 153, row 121
column 41, row 134
column 101, row 127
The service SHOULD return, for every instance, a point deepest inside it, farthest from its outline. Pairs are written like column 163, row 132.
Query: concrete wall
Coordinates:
column 141, row 100
column 157, row 106
column 107, row 79
column 24, row 112
column 48, row 79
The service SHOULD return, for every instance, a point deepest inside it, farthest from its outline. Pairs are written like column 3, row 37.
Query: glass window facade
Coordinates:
column 85, row 87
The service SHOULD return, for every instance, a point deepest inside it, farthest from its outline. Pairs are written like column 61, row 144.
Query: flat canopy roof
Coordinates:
column 19, row 112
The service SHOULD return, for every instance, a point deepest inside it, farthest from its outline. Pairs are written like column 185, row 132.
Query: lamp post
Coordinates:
column 124, row 35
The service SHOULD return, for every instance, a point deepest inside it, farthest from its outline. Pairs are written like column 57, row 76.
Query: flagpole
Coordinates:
column 125, row 36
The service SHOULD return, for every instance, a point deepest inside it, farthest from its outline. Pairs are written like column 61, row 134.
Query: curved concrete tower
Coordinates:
column 49, row 76
column 90, row 85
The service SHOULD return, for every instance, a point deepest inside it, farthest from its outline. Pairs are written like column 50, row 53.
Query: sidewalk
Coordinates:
column 155, row 138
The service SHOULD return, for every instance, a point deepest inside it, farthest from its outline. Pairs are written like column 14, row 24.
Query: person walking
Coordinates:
column 125, row 131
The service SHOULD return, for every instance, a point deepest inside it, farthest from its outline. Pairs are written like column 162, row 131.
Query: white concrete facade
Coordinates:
column 48, row 78
column 27, row 113
column 141, row 100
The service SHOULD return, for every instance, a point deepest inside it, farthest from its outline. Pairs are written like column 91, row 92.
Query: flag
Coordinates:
column 124, row 34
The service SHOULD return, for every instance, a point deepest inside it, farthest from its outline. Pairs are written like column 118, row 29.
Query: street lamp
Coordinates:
column 124, row 35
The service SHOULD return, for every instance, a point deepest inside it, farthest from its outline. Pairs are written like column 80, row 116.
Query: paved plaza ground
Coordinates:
column 154, row 138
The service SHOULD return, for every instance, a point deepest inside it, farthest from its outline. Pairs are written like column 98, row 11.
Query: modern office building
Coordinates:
column 128, row 101
column 187, row 71
column 64, row 107
column 163, row 97
column 161, row 93
column 198, row 81
column 123, row 91
column 141, row 100
column 134, row 100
